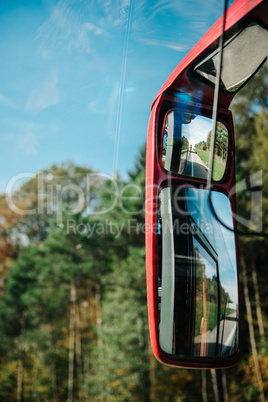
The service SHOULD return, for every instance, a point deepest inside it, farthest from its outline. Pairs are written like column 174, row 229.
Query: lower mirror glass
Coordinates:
column 197, row 275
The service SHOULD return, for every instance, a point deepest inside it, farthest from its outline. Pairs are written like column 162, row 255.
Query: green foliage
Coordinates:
column 218, row 166
column 185, row 143
column 250, row 114
column 107, row 270
column 123, row 373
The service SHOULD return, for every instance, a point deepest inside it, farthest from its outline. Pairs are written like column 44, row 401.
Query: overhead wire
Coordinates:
column 121, row 90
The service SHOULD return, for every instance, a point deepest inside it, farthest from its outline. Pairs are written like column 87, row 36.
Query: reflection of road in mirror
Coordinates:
column 228, row 329
column 196, row 167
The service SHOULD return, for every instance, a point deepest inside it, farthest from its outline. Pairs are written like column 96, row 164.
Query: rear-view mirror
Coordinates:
column 191, row 220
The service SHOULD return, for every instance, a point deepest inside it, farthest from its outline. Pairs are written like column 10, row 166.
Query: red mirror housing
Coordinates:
column 185, row 91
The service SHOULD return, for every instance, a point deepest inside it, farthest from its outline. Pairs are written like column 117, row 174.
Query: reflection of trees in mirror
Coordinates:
column 220, row 151
column 185, row 143
column 206, row 297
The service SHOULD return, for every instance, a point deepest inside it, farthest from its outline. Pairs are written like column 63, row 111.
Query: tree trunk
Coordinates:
column 20, row 380
column 251, row 328
column 258, row 303
column 204, row 385
column 79, row 351
column 35, row 376
column 99, row 325
column 143, row 347
column 21, row 365
column 153, row 392
column 54, row 379
column 224, row 386
column 215, row 385
column 71, row 342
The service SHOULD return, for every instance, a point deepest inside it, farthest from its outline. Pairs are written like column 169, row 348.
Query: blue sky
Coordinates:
column 78, row 77
column 198, row 129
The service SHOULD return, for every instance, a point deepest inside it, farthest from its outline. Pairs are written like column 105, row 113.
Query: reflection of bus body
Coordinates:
column 207, row 295
column 192, row 302
column 196, row 293
column 174, row 144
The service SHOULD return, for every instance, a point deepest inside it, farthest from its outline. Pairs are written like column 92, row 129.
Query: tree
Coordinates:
column 250, row 109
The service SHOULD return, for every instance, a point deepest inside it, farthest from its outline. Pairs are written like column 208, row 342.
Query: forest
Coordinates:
column 73, row 310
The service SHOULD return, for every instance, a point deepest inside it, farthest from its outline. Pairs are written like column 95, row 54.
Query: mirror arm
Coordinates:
column 216, row 101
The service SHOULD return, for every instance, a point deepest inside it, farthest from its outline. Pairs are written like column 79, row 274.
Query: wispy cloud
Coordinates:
column 106, row 99
column 23, row 136
column 184, row 21
column 98, row 64
column 68, row 26
column 64, row 29
column 27, row 143
column 93, row 108
column 130, row 89
column 6, row 101
column 44, row 93
column 162, row 43
column 91, row 27
column 26, row 136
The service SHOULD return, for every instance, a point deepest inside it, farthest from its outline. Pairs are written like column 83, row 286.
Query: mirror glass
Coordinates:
column 185, row 145
column 197, row 275
column 243, row 54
